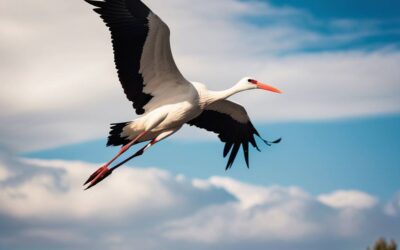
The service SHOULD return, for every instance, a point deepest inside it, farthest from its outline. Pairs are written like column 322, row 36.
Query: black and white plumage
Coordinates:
column 232, row 124
column 159, row 92
column 141, row 51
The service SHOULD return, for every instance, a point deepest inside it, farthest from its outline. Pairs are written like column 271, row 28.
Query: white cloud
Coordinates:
column 251, row 195
column 135, row 189
column 59, row 84
column 4, row 173
column 43, row 202
column 393, row 207
column 348, row 199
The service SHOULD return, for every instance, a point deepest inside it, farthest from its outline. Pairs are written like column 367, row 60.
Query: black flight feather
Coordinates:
column 129, row 27
column 233, row 133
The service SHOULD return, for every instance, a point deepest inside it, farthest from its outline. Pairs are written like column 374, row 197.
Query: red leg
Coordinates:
column 125, row 148
column 103, row 171
column 138, row 153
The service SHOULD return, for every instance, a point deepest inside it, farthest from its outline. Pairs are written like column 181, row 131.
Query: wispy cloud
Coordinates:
column 42, row 205
column 393, row 207
column 348, row 199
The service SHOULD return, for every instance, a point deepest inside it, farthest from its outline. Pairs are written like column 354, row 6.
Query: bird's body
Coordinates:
column 160, row 94
column 172, row 115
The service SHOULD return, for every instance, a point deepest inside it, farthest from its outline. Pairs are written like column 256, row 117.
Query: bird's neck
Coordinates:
column 215, row 96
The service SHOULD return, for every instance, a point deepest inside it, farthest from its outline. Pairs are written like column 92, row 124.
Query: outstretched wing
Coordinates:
column 142, row 53
column 233, row 126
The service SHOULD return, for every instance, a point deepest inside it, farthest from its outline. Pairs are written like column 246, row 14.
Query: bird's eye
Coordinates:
column 252, row 81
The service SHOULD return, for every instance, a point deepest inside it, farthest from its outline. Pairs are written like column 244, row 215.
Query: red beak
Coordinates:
column 267, row 87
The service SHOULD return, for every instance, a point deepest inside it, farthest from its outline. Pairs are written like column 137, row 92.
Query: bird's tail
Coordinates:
column 115, row 138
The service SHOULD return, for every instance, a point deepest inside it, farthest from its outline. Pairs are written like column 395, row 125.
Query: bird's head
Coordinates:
column 251, row 83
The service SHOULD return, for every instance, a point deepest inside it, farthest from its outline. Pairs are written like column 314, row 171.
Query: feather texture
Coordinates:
column 233, row 133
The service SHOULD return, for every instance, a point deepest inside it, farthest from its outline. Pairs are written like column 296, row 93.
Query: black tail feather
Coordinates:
column 115, row 138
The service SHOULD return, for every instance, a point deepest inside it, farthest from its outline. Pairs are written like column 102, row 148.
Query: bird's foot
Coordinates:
column 98, row 176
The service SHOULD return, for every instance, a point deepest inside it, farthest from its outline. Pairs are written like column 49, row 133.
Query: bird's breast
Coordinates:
column 179, row 114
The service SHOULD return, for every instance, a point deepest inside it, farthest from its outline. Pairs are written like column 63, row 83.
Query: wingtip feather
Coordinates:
column 245, row 146
column 227, row 148
column 95, row 3
column 277, row 141
column 269, row 143
column 233, row 155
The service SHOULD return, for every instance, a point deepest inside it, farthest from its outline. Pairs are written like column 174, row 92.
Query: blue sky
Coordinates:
column 333, row 178
column 377, row 22
column 319, row 156
column 358, row 9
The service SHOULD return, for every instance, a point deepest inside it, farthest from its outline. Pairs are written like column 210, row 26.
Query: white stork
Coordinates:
column 159, row 92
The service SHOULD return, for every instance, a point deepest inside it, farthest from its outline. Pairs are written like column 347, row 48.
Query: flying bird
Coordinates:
column 160, row 94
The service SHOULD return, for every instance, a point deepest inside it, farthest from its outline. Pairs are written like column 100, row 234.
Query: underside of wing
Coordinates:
column 233, row 126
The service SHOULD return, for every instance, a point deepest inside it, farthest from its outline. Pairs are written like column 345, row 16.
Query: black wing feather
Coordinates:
column 230, row 131
column 227, row 148
column 232, row 157
column 128, row 23
column 245, row 146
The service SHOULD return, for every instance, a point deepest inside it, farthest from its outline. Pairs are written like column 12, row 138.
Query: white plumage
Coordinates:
column 159, row 92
